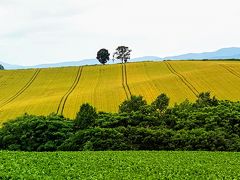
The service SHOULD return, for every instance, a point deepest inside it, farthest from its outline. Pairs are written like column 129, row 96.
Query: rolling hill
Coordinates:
column 224, row 53
column 63, row 90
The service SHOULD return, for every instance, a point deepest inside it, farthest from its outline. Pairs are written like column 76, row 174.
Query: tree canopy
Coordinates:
column 86, row 116
column 122, row 53
column 207, row 124
column 103, row 56
column 161, row 103
column 1, row 67
column 133, row 104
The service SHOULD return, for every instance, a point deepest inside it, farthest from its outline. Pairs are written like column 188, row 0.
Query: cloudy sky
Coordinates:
column 48, row 31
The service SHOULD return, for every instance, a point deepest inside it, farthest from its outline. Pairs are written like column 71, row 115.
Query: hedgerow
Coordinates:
column 207, row 124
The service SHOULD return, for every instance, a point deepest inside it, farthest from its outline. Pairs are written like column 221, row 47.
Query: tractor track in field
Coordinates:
column 124, row 82
column 182, row 78
column 230, row 70
column 24, row 88
column 63, row 100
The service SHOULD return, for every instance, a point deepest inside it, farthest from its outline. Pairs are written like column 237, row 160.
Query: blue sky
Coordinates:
column 48, row 31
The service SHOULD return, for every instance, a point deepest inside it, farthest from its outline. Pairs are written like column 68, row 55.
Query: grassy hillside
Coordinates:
column 63, row 90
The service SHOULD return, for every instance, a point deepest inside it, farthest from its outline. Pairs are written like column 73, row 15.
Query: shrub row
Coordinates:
column 207, row 124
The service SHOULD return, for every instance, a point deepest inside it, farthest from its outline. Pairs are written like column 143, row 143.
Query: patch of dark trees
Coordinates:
column 207, row 124
column 1, row 67
column 122, row 53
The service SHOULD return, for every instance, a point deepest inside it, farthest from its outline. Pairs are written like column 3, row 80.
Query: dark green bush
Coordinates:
column 35, row 133
column 86, row 116
column 97, row 139
column 132, row 105
column 207, row 124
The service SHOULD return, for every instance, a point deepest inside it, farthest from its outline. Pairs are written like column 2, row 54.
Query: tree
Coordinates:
column 35, row 133
column 103, row 56
column 133, row 104
column 1, row 67
column 86, row 117
column 204, row 99
column 122, row 53
column 161, row 103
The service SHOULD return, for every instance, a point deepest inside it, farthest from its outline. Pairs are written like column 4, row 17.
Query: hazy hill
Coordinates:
column 225, row 53
column 11, row 66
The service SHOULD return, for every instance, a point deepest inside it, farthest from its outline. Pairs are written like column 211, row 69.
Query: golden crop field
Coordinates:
column 63, row 90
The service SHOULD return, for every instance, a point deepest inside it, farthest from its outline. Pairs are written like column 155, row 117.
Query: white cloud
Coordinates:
column 43, row 31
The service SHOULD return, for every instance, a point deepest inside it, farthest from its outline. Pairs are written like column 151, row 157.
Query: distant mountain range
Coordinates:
column 224, row 53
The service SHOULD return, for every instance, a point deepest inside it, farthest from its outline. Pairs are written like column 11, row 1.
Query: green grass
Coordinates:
column 120, row 165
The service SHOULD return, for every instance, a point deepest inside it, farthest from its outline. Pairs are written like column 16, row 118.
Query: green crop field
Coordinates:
column 63, row 90
column 119, row 165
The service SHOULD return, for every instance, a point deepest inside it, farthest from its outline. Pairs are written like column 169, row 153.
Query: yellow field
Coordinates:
column 98, row 85
column 63, row 90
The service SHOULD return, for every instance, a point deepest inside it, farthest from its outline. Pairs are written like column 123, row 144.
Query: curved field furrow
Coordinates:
column 41, row 92
column 229, row 69
column 209, row 76
column 44, row 94
column 101, row 86
column 83, row 92
column 183, row 79
column 123, row 82
column 65, row 97
column 126, row 79
column 12, row 81
column 150, row 79
column 21, row 90
column 138, row 81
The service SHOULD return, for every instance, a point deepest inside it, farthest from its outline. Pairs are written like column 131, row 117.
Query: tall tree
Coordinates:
column 161, row 103
column 135, row 103
column 86, row 116
column 204, row 99
column 122, row 53
column 103, row 56
column 1, row 67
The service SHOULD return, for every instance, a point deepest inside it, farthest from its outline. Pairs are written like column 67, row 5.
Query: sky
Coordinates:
column 49, row 31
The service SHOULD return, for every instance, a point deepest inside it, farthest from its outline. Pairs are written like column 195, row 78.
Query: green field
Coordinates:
column 63, row 90
column 120, row 165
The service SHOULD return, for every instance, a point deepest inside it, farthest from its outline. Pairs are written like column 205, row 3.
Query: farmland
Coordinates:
column 120, row 165
column 63, row 90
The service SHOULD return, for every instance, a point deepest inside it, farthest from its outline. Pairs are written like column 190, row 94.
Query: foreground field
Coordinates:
column 63, row 90
column 119, row 165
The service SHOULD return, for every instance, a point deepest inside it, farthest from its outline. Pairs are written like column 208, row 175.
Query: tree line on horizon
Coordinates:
column 122, row 53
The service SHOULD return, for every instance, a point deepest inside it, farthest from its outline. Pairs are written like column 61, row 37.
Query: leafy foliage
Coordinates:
column 132, row 105
column 161, row 103
column 204, row 99
column 119, row 165
column 122, row 53
column 86, row 116
column 207, row 124
column 103, row 56
column 35, row 133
